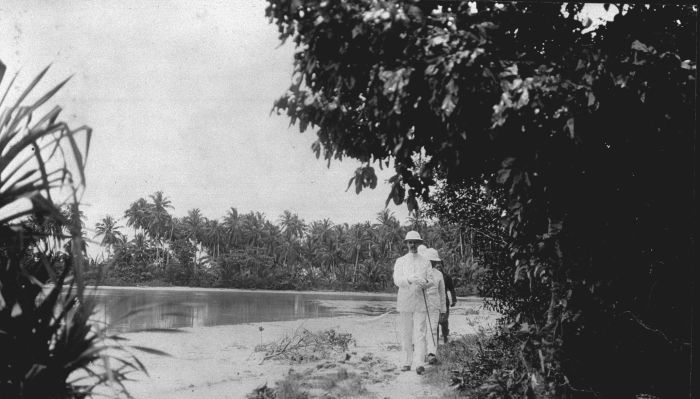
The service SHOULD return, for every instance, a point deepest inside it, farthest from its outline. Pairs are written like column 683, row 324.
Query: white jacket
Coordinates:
column 410, row 296
column 435, row 293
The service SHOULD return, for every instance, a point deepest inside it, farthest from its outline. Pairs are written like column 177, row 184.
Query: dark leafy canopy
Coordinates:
column 588, row 135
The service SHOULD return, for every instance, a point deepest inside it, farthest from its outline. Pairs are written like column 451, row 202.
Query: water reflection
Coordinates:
column 131, row 309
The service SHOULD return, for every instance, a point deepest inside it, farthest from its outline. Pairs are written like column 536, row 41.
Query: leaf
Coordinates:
column 591, row 99
column 639, row 46
column 158, row 330
column 437, row 40
column 149, row 350
column 448, row 104
column 350, row 183
column 411, row 203
column 357, row 30
column 687, row 64
column 524, row 98
column 503, row 175
column 415, row 12
column 587, row 22
column 399, row 193
column 316, row 148
column 570, row 126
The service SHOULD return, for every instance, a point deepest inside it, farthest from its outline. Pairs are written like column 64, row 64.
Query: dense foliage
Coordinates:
column 250, row 251
column 49, row 345
column 585, row 134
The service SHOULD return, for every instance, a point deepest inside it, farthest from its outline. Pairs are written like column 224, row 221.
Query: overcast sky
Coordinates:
column 178, row 94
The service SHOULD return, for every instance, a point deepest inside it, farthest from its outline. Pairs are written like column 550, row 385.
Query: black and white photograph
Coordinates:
column 327, row 199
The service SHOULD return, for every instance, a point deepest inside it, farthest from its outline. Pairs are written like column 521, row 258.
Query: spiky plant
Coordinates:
column 49, row 346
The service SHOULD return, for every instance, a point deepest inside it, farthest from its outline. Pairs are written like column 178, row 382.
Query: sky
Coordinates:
column 179, row 95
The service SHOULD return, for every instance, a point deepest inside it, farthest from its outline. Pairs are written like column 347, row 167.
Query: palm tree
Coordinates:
column 137, row 215
column 292, row 226
column 139, row 249
column 389, row 232
column 252, row 228
column 214, row 234
column 76, row 222
column 321, row 231
column 109, row 230
column 416, row 222
column 194, row 224
column 293, row 229
column 273, row 240
column 359, row 235
column 158, row 218
column 340, row 233
column 232, row 226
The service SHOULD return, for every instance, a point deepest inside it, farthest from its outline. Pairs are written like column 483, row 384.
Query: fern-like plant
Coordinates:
column 49, row 346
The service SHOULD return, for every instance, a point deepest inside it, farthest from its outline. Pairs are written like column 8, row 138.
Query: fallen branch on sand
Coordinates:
column 305, row 345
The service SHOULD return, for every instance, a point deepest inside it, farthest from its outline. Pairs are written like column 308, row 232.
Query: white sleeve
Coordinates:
column 400, row 277
column 426, row 270
column 432, row 280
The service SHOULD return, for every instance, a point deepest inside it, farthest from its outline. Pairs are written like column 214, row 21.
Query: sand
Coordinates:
column 220, row 361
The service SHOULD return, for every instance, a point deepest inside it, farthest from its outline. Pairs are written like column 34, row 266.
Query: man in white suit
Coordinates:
column 411, row 276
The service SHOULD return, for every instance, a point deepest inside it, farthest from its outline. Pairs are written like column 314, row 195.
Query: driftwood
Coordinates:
column 304, row 345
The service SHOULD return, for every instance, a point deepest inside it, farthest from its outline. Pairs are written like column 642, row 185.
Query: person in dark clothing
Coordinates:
column 449, row 287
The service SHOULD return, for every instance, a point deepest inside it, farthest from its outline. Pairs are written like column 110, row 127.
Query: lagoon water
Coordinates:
column 131, row 309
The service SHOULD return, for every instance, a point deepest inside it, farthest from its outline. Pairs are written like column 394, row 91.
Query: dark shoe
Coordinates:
column 432, row 359
column 420, row 370
column 445, row 339
column 406, row 368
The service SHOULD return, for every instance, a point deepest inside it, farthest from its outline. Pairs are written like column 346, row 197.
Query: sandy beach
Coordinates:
column 221, row 362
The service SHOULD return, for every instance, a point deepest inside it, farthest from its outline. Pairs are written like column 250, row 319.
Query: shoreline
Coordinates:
column 206, row 289
column 221, row 362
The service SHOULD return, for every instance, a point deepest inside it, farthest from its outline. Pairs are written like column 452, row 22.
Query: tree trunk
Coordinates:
column 357, row 259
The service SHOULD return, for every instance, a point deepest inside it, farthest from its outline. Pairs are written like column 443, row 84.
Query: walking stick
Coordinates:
column 427, row 313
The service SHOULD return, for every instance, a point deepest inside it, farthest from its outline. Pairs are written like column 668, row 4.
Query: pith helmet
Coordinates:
column 412, row 236
column 432, row 254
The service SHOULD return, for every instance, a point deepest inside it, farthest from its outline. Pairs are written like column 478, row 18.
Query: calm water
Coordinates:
column 196, row 308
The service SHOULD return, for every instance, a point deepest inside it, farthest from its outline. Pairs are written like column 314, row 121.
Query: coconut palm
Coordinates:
column 320, row 232
column 214, row 235
column 194, row 224
column 159, row 220
column 140, row 249
column 253, row 228
column 292, row 226
column 273, row 239
column 359, row 239
column 232, row 226
column 137, row 215
column 388, row 231
column 109, row 230
column 75, row 223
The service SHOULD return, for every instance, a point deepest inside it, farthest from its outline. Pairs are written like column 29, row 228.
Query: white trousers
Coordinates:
column 413, row 329
column 432, row 338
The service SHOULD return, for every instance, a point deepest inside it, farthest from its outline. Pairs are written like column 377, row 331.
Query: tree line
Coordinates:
column 249, row 250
